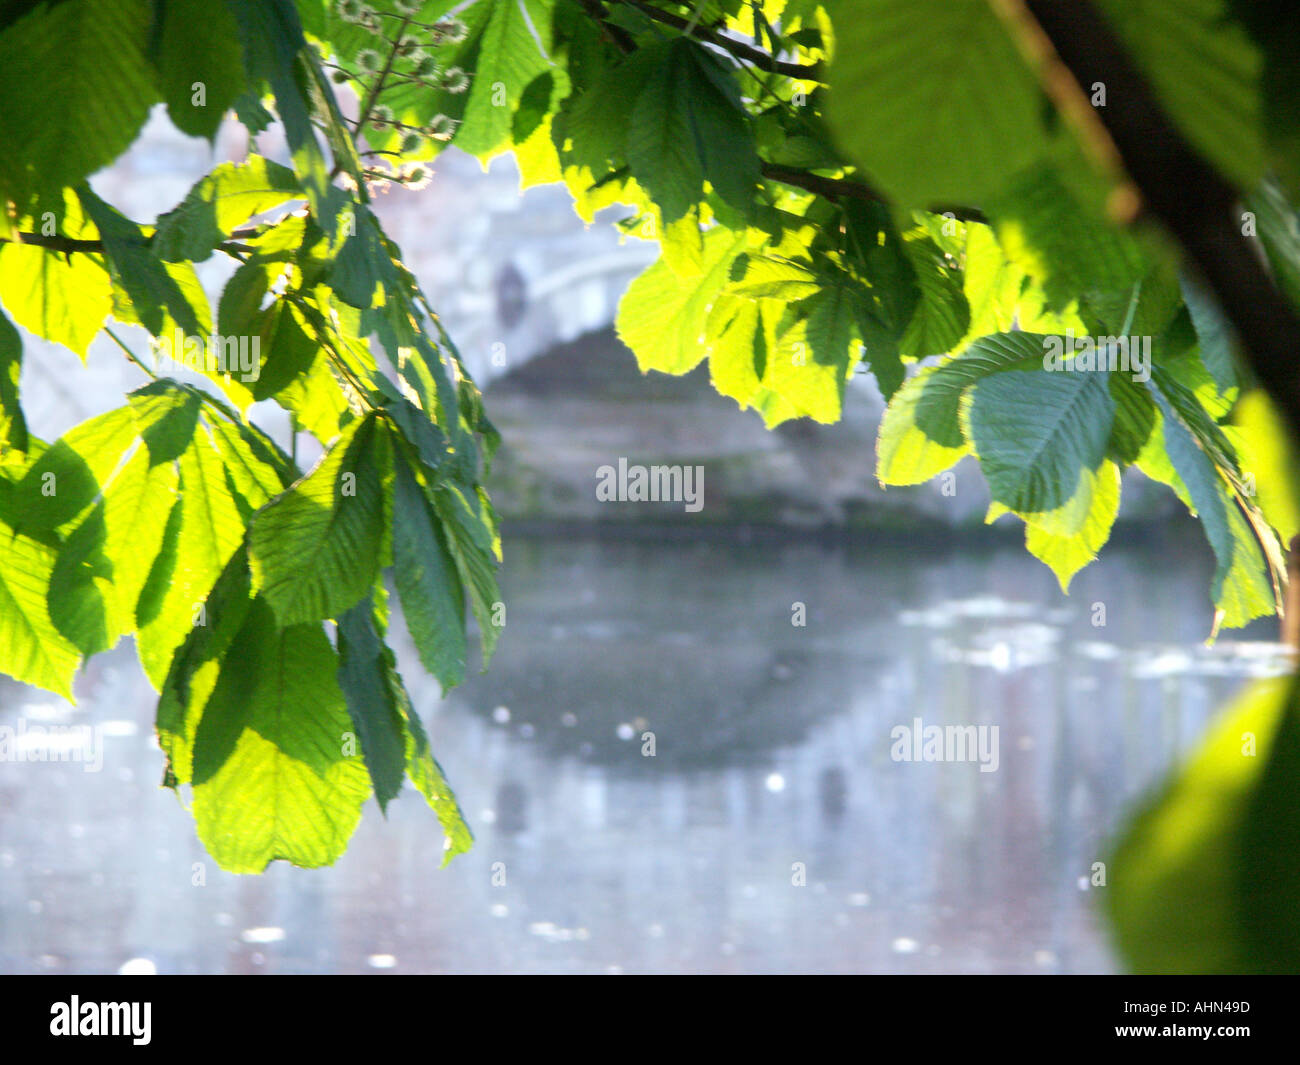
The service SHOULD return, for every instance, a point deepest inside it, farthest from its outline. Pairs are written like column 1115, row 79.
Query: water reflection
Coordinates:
column 769, row 831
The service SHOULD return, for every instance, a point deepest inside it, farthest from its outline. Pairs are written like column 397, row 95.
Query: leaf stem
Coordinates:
column 129, row 353
column 1132, row 308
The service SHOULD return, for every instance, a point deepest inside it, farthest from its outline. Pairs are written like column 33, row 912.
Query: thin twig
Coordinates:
column 129, row 353
column 69, row 245
column 762, row 60
column 369, row 102
column 852, row 189
column 619, row 37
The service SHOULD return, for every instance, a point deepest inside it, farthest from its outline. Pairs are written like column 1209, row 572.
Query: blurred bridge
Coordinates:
column 513, row 275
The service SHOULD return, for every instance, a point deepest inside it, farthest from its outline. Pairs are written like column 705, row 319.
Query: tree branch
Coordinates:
column 847, row 188
column 762, row 60
column 621, row 39
column 832, row 188
column 69, row 245
column 1197, row 205
column 368, row 104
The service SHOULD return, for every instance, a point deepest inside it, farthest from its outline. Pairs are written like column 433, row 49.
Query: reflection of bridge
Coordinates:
column 773, row 749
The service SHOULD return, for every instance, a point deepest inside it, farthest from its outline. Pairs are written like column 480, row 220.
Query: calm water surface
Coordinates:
column 772, row 759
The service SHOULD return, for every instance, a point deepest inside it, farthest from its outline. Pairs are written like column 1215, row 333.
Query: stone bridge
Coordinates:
column 528, row 292
column 512, row 274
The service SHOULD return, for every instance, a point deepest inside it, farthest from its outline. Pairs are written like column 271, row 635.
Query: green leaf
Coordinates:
column 534, row 105
column 1071, row 249
column 75, row 88
column 276, row 52
column 249, row 109
column 590, row 133
column 157, row 300
column 511, row 53
column 810, row 364
column 366, row 684
column 255, row 468
column 105, row 561
column 13, row 426
column 428, row 440
column 888, row 295
column 1037, row 432
column 1241, row 588
column 771, row 277
column 992, row 284
column 200, row 64
column 661, row 316
column 1213, row 332
column 209, row 529
column 433, row 599
column 661, row 140
column 271, row 776
column 1066, row 554
column 315, row 549
column 219, row 203
column 741, row 334
column 292, row 364
column 430, row 781
column 64, row 299
column 392, row 738
column 1273, row 220
column 68, row 477
column 1203, row 878
column 1135, row 419
column 196, row 665
column 1268, row 461
column 942, row 314
column 32, row 650
column 166, row 416
column 905, row 453
column 358, row 266
column 241, row 299
column 289, row 354
column 1273, row 26
column 1206, row 72
column 921, row 433
column 912, row 83
column 688, row 125
column 472, row 541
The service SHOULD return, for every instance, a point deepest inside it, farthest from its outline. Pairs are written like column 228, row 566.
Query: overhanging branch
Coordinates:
column 852, row 189
column 1180, row 188
column 69, row 245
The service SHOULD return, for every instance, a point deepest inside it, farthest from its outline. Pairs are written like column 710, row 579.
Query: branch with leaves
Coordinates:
column 1202, row 209
column 802, row 245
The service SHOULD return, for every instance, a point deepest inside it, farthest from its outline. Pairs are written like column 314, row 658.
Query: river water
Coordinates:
column 771, row 830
